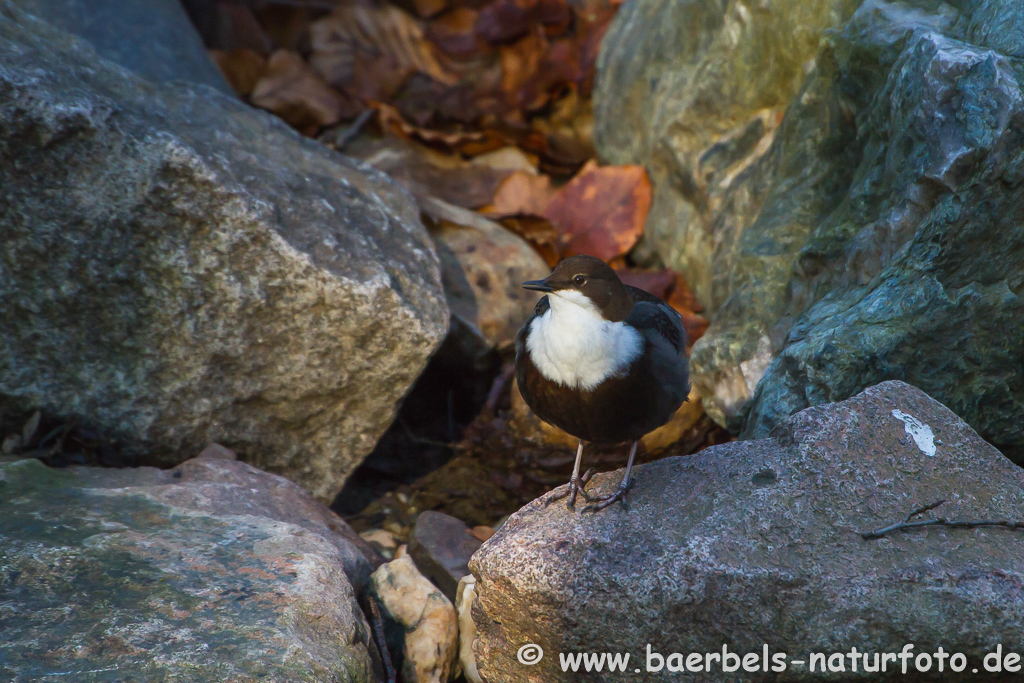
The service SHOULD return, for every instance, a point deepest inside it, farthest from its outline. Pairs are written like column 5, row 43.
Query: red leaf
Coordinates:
column 602, row 211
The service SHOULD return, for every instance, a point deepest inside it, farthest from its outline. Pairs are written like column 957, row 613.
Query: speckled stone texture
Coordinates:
column 178, row 268
column 213, row 571
column 841, row 183
column 757, row 542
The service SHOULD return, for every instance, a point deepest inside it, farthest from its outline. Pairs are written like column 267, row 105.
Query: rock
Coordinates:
column 483, row 267
column 833, row 183
column 441, row 547
column 420, row 621
column 155, row 39
column 465, row 594
column 213, row 568
column 215, row 451
column 759, row 542
column 382, row 541
column 178, row 268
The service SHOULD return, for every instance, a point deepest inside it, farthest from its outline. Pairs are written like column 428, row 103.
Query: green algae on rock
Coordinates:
column 856, row 220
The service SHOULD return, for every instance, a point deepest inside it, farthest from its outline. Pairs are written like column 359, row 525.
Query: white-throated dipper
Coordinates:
column 601, row 360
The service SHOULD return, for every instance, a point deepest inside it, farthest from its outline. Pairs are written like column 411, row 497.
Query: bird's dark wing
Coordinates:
column 542, row 306
column 651, row 315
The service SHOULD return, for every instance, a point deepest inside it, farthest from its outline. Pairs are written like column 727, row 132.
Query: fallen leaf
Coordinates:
column 428, row 8
column 521, row 193
column 601, row 212
column 539, row 233
column 454, row 33
column 505, row 20
column 287, row 26
column 429, row 173
column 294, row 92
column 235, row 27
column 520, row 64
column 243, row 68
column 481, row 533
column 371, row 51
column 508, row 159
column 470, row 142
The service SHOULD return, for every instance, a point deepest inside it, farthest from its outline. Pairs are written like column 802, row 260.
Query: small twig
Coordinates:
column 424, row 440
column 939, row 521
column 352, row 131
column 501, row 382
column 382, row 645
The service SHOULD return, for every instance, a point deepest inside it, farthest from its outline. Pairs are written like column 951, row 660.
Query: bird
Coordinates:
column 601, row 360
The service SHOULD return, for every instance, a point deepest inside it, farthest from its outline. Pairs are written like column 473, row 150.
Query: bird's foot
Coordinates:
column 601, row 502
column 572, row 489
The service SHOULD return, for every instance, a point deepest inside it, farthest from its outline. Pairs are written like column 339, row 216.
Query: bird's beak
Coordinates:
column 538, row 285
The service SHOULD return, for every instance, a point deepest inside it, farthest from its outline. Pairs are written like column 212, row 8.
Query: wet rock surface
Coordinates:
column 212, row 571
column 155, row 39
column 441, row 546
column 841, row 186
column 178, row 268
column 760, row 542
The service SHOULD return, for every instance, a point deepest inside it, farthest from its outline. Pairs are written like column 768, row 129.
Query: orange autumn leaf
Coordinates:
column 521, row 193
column 601, row 212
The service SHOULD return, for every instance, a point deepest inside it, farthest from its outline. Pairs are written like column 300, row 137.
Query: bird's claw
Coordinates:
column 572, row 489
column 601, row 502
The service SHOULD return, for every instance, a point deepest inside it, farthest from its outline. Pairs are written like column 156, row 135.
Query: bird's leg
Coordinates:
column 601, row 502
column 576, row 483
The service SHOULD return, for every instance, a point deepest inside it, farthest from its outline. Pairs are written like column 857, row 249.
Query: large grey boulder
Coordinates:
column 154, row 38
column 759, row 542
column 213, row 571
column 863, row 223
column 177, row 268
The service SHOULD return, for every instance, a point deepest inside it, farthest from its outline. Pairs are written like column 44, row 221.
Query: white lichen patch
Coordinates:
column 919, row 431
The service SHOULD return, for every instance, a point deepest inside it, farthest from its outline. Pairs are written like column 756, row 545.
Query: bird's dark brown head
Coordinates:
column 594, row 279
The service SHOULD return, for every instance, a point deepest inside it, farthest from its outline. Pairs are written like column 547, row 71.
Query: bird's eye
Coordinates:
column 579, row 279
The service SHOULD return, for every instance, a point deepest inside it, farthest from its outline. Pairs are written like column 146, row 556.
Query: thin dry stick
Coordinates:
column 382, row 646
column 939, row 521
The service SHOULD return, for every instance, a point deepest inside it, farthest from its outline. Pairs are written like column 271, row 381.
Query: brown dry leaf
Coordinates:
column 481, row 533
column 521, row 193
column 287, row 26
column 243, row 68
column 520, row 64
column 469, row 143
column 454, row 33
column 505, row 20
column 429, row 173
column 291, row 90
column 371, row 51
column 508, row 159
column 539, row 233
column 235, row 27
column 601, row 211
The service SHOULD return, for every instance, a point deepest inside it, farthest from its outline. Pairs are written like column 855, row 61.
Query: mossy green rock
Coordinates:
column 874, row 233
column 213, row 571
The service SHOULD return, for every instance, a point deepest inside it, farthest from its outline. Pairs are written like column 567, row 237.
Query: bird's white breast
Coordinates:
column 573, row 345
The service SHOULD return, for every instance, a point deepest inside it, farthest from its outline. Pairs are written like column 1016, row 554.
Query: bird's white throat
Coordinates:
column 572, row 344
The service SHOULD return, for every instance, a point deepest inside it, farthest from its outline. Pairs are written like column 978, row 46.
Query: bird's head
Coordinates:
column 587, row 282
